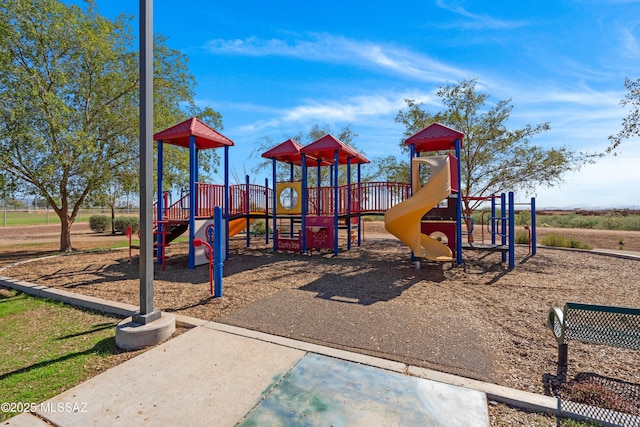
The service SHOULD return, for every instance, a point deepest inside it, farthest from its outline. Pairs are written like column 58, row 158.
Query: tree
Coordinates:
column 390, row 169
column 69, row 117
column 494, row 159
column 631, row 123
column 125, row 181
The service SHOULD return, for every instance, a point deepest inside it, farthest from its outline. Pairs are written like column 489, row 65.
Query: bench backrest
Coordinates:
column 599, row 324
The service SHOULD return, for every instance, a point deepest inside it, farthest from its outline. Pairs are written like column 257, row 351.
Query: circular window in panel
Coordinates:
column 289, row 198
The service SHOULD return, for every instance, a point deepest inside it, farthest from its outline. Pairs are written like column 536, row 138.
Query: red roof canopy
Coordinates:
column 206, row 136
column 288, row 151
column 435, row 137
column 325, row 148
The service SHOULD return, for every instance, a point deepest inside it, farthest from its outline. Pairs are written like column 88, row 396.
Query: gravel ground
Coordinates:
column 480, row 320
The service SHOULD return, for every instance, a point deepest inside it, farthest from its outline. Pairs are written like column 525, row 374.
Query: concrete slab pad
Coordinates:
column 200, row 378
column 322, row 390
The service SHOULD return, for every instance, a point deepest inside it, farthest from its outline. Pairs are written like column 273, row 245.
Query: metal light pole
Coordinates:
column 147, row 313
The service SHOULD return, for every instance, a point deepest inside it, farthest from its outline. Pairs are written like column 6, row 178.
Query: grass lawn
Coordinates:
column 42, row 217
column 49, row 347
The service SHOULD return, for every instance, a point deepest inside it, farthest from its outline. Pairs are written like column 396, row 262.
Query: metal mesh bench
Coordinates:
column 596, row 324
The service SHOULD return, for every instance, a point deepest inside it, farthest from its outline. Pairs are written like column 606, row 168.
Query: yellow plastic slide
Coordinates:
column 403, row 219
column 238, row 225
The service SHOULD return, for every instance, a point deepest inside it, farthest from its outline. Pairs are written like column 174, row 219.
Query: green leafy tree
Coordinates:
column 631, row 123
column 390, row 169
column 125, row 182
column 69, row 117
column 494, row 159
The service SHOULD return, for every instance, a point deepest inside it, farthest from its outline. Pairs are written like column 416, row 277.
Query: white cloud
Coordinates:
column 630, row 44
column 580, row 116
column 334, row 49
column 349, row 110
column 477, row 21
column 357, row 109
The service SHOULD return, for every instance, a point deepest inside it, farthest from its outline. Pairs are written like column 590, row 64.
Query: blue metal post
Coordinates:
column 349, row 204
column 275, row 204
column 226, row 201
column 193, row 166
column 303, row 224
column 459, row 208
column 493, row 219
column 247, row 199
column 336, row 159
column 217, row 253
column 534, row 240
column 266, row 210
column 196, row 177
column 360, row 198
column 319, row 179
column 299, row 195
column 412, row 154
column 512, row 230
column 503, row 223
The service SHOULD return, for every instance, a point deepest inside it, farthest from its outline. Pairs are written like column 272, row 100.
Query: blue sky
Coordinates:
column 273, row 69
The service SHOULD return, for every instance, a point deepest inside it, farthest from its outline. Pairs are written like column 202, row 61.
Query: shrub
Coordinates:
column 610, row 221
column 99, row 223
column 259, row 228
column 562, row 241
column 630, row 223
column 522, row 218
column 121, row 223
column 522, row 238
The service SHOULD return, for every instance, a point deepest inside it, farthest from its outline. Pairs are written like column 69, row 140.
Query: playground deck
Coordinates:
column 256, row 200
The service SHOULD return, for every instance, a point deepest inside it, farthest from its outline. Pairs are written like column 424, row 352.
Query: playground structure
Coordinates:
column 307, row 217
column 312, row 216
column 430, row 221
column 404, row 220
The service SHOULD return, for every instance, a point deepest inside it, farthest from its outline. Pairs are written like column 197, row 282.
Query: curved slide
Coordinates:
column 403, row 219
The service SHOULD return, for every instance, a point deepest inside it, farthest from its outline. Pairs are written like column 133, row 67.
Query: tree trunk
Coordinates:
column 113, row 219
column 65, row 234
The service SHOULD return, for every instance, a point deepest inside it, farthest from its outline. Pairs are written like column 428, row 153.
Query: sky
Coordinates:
column 274, row 69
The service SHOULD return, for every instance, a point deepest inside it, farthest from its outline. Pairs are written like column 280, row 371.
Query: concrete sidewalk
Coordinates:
column 217, row 374
column 221, row 375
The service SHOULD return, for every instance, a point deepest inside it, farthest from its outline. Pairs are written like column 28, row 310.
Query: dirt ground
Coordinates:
column 480, row 320
column 19, row 242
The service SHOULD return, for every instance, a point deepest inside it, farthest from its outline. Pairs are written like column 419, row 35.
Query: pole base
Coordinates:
column 143, row 319
column 131, row 335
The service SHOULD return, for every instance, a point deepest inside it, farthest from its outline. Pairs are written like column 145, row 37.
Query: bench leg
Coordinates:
column 563, row 356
